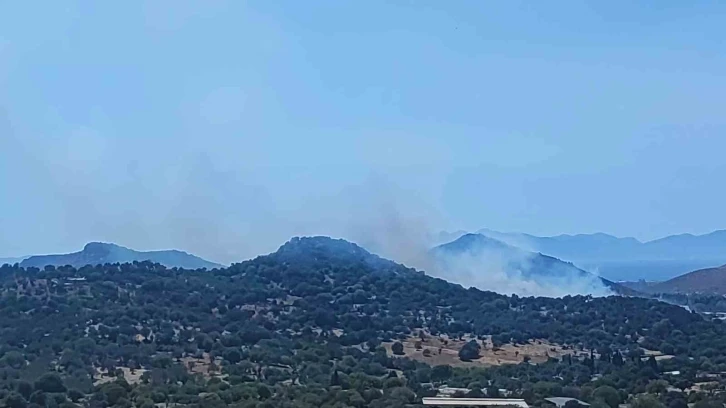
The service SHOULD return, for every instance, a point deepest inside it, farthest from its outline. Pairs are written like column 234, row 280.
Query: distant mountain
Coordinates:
column 96, row 253
column 12, row 261
column 444, row 237
column 627, row 258
column 525, row 264
column 703, row 281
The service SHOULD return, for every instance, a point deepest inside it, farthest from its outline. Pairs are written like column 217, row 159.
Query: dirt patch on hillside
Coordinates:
column 132, row 376
column 444, row 350
column 204, row 365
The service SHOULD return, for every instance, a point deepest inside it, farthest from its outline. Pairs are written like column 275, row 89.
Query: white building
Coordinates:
column 561, row 401
column 475, row 402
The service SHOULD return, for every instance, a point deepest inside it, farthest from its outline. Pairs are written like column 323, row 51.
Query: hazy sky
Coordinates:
column 225, row 128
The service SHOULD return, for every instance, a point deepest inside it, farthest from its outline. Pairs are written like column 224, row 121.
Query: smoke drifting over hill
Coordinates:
column 396, row 234
column 492, row 270
column 118, row 192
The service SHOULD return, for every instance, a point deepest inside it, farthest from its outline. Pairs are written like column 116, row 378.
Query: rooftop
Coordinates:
column 561, row 401
column 474, row 402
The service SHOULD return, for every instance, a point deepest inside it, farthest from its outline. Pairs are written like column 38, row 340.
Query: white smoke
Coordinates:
column 381, row 220
column 509, row 272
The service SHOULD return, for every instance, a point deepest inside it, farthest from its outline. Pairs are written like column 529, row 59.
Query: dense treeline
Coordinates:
column 303, row 327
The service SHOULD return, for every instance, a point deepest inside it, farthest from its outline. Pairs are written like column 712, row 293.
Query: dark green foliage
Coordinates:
column 335, row 379
column 38, row 397
column 397, row 348
column 49, row 382
column 264, row 392
column 470, row 351
column 113, row 392
column 573, row 404
column 646, row 401
column 441, row 373
column 607, row 394
column 74, row 395
column 15, row 400
column 24, row 388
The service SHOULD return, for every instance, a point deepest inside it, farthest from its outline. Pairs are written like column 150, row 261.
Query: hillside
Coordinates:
column 484, row 253
column 96, row 253
column 324, row 323
column 705, row 281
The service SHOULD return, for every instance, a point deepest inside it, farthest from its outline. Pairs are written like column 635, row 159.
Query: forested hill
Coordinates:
column 95, row 253
column 317, row 324
column 324, row 252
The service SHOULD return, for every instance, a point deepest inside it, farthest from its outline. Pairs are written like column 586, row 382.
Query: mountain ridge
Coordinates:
column 94, row 253
column 626, row 258
column 12, row 260
column 702, row 281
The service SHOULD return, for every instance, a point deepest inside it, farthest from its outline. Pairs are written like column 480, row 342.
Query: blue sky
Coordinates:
column 224, row 128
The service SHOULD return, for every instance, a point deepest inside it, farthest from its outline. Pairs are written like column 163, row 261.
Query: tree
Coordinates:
column 441, row 372
column 573, row 404
column 50, row 382
column 598, row 403
column 657, row 387
column 15, row 400
column 397, row 348
column 646, row 401
column 653, row 363
column 74, row 395
column 233, row 356
column 13, row 359
column 24, row 388
column 607, row 394
column 470, row 351
column 263, row 392
column 38, row 398
column 114, row 392
column 335, row 379
column 211, row 400
column 708, row 403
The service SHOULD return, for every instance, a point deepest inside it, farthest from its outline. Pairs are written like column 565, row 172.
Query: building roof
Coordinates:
column 446, row 391
column 561, row 401
column 474, row 402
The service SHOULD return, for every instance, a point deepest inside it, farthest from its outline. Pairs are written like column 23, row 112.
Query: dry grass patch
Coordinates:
column 132, row 376
column 204, row 365
column 441, row 350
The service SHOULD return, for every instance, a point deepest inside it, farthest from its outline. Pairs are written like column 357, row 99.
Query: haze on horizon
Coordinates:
column 225, row 128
